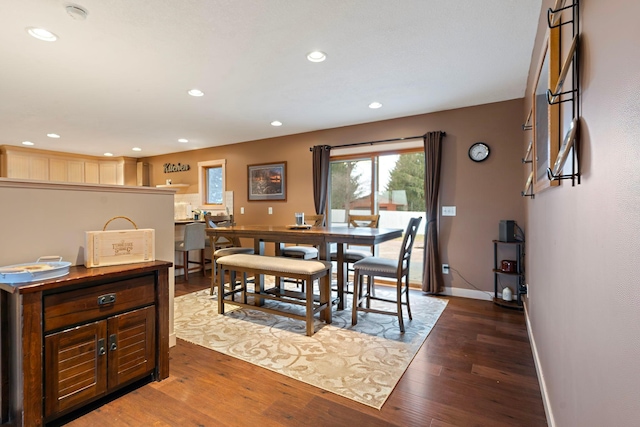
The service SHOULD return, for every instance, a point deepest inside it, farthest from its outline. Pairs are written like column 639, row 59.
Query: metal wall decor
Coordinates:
column 570, row 147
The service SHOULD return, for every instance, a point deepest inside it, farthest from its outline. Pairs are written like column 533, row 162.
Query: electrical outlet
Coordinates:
column 242, row 211
column 270, row 210
column 445, row 268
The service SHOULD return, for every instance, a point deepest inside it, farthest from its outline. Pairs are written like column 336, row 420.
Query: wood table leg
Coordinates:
column 341, row 276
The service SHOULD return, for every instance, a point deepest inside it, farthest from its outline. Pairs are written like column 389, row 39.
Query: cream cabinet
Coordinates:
column 25, row 166
column 63, row 170
column 25, row 163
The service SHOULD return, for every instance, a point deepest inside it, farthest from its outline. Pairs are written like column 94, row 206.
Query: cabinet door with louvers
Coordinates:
column 86, row 362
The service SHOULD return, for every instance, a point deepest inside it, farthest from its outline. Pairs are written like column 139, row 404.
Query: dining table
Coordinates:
column 320, row 237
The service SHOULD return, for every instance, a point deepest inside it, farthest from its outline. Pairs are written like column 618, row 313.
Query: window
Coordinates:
column 211, row 183
column 387, row 183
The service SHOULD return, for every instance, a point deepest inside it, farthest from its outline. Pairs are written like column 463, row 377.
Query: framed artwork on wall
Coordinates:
column 267, row 181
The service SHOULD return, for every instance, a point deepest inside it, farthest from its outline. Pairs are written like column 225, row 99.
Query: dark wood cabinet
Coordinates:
column 88, row 361
column 78, row 338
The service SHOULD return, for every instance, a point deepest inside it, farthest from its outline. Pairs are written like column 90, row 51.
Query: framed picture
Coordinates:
column 267, row 181
column 546, row 117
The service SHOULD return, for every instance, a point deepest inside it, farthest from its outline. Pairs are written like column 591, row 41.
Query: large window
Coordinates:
column 389, row 184
column 211, row 183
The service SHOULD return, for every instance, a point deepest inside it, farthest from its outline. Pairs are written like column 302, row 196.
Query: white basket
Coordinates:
column 115, row 247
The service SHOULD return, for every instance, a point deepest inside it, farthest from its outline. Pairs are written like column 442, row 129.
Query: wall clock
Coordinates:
column 479, row 152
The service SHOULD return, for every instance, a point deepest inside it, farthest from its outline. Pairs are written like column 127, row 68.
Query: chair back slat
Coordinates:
column 370, row 221
column 407, row 243
column 314, row 220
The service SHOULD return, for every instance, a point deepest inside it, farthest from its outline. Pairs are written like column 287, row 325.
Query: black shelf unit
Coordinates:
column 517, row 276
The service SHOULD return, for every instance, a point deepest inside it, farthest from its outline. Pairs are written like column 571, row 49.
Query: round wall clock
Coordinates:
column 479, row 152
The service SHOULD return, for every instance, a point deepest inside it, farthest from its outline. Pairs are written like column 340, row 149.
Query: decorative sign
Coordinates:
column 171, row 167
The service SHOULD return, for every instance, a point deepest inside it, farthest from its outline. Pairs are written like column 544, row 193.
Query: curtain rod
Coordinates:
column 377, row 142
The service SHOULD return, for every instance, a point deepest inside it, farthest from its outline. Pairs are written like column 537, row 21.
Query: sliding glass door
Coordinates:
column 389, row 184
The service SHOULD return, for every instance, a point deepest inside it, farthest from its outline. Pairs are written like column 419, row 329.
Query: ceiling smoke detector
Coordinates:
column 76, row 12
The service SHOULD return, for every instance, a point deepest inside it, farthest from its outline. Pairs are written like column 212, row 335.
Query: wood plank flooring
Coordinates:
column 475, row 369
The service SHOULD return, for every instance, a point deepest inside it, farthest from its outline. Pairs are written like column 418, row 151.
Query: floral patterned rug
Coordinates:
column 362, row 362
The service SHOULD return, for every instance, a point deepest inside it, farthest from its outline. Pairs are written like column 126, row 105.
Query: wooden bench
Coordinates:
column 306, row 270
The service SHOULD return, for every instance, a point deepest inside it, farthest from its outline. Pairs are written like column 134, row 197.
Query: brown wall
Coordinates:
column 583, row 250
column 484, row 193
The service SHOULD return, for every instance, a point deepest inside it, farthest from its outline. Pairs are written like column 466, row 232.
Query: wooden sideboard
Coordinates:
column 68, row 341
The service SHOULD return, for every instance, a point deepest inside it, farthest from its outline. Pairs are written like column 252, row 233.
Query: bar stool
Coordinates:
column 224, row 251
column 193, row 240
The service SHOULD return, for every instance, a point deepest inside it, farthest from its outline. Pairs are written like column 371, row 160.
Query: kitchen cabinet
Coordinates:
column 63, row 170
column 80, row 337
column 41, row 165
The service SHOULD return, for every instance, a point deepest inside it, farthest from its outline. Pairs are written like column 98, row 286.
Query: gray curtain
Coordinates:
column 432, row 280
column 321, row 154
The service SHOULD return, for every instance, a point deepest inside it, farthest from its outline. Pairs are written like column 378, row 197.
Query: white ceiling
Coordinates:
column 119, row 79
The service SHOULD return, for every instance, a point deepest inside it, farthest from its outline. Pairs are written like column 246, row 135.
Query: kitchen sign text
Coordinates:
column 172, row 167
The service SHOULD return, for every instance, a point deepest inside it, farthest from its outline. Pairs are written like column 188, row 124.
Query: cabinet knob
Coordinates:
column 101, row 350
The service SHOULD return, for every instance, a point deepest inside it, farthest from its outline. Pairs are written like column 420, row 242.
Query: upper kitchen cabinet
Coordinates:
column 41, row 165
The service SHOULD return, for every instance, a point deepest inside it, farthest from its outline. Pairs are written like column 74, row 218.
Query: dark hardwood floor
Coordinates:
column 475, row 369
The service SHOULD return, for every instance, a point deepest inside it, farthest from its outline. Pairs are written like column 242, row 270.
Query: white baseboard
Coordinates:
column 468, row 293
column 543, row 385
column 172, row 340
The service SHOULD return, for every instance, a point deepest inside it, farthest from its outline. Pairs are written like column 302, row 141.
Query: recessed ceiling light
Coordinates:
column 183, row 140
column 316, row 56
column 108, row 154
column 42, row 34
column 27, row 143
column 196, row 92
column 375, row 105
column 53, row 135
column 276, row 123
column 137, row 149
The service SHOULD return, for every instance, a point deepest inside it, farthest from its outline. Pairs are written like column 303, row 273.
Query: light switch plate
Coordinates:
column 270, row 210
column 448, row 211
column 242, row 211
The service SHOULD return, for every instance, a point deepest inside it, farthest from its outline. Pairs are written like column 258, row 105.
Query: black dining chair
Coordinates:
column 384, row 267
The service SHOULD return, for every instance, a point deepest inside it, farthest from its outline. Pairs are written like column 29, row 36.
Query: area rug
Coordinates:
column 362, row 362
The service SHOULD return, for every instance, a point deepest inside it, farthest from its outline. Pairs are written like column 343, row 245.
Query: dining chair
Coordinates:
column 384, row 267
column 353, row 254
column 193, row 240
column 231, row 246
column 305, row 252
column 213, row 221
column 302, row 251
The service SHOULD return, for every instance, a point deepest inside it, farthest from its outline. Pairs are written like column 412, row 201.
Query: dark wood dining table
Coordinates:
column 321, row 237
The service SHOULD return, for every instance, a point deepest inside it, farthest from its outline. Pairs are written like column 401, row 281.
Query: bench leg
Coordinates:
column 243, row 290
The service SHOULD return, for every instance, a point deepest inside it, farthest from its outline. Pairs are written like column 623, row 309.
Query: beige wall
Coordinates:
column 484, row 193
column 583, row 250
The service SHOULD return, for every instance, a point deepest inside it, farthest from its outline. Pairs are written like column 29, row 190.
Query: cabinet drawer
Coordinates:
column 96, row 302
